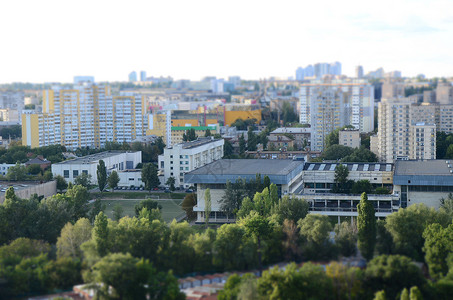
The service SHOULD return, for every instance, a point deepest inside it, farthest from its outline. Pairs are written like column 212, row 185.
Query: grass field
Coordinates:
column 170, row 208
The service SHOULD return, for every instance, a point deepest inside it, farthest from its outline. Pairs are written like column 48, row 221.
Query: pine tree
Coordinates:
column 101, row 234
column 207, row 205
column 366, row 224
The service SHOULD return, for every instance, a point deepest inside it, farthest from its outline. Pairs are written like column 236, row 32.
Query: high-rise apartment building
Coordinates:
column 444, row 93
column 407, row 130
column 87, row 115
column 142, row 76
column 132, row 76
column 300, row 74
column 392, row 90
column 359, row 72
column 328, row 106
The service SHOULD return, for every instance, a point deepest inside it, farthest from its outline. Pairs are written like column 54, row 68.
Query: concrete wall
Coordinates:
column 45, row 189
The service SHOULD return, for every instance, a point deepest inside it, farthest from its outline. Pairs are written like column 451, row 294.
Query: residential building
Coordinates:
column 185, row 157
column 407, row 130
column 349, row 137
column 327, row 106
column 391, row 90
column 444, row 93
column 4, row 168
column 177, row 132
column 429, row 96
column 82, row 79
column 301, row 136
column 374, row 142
column 359, row 72
column 142, row 76
column 235, row 80
column 133, row 76
column 40, row 161
column 12, row 100
column 160, row 125
column 423, row 181
column 300, row 74
column 280, row 142
column 114, row 161
column 9, row 115
column 86, row 115
column 286, row 174
column 422, row 141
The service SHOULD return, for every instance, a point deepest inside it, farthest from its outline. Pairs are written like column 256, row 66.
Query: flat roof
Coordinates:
column 292, row 130
column 435, row 172
column 193, row 127
column 423, row 167
column 197, row 143
column 280, row 171
column 94, row 157
column 352, row 166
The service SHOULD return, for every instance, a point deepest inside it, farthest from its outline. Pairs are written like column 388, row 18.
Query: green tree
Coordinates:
column 83, row 179
column 117, row 212
column 360, row 155
column 190, row 200
column 342, row 184
column 251, row 140
column 149, row 176
column 101, row 234
column 308, row 282
column 72, row 236
column 171, row 183
column 292, row 209
column 34, row 169
column 381, row 295
column 101, row 174
column 61, row 183
column 266, row 182
column 77, row 197
column 346, row 238
column 207, row 205
column 314, row 230
column 392, row 273
column 407, row 226
column 336, row 152
column 362, row 186
column 404, row 294
column 242, row 145
column 366, row 225
column 438, row 247
column 113, row 180
column 207, row 133
column 259, row 228
column 415, row 294
column 189, row 135
column 346, row 281
column 98, row 206
column 17, row 172
column 149, row 204
column 227, row 149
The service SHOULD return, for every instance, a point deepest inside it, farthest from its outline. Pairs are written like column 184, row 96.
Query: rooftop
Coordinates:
column 193, row 127
column 295, row 130
column 423, row 167
column 94, row 157
column 198, row 142
column 351, row 166
column 248, row 167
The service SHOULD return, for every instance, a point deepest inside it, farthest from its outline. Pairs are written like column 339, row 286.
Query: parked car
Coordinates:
column 167, row 191
column 189, row 191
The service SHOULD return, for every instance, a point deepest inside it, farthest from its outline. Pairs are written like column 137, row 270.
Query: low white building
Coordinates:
column 185, row 157
column 114, row 161
column 4, row 168
column 130, row 178
column 349, row 137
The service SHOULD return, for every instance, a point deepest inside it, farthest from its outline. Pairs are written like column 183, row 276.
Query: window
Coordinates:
column 75, row 173
column 85, row 172
column 131, row 179
column 66, row 173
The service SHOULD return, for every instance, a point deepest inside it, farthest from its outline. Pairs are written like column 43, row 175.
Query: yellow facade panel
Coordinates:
column 232, row 116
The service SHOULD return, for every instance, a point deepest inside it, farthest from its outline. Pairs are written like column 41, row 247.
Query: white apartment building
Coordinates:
column 327, row 106
column 406, row 130
column 114, row 161
column 87, row 115
column 349, row 137
column 185, row 157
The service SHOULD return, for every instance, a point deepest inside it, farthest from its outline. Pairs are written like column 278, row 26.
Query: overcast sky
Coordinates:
column 46, row 41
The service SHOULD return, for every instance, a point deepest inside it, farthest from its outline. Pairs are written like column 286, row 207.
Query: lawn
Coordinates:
column 170, row 208
column 137, row 195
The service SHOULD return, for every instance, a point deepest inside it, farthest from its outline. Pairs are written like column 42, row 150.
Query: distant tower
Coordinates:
column 142, row 75
column 133, row 76
column 300, row 74
column 359, row 72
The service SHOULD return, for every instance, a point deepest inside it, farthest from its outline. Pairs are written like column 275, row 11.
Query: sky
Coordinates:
column 52, row 41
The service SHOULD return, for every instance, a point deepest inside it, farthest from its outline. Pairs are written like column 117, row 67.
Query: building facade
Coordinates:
column 328, row 106
column 177, row 132
column 85, row 116
column 114, row 161
column 349, row 137
column 185, row 157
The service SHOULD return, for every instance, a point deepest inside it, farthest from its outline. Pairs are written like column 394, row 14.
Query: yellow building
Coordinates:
column 160, row 125
column 232, row 115
column 177, row 132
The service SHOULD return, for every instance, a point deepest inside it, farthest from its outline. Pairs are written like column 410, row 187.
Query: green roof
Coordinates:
column 193, row 127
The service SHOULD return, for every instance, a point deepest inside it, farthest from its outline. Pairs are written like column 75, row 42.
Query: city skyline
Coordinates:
column 53, row 41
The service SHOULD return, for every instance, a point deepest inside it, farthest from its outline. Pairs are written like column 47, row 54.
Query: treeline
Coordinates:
column 111, row 254
column 21, row 154
column 13, row 132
